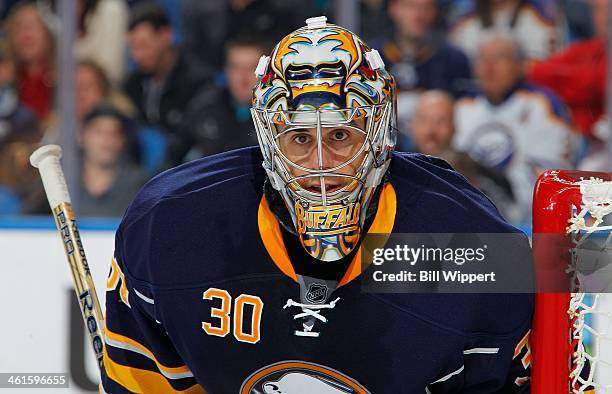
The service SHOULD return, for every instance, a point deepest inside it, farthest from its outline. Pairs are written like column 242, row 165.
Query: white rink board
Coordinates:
column 35, row 283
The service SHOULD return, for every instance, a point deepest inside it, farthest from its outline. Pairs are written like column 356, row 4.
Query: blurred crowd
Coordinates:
column 502, row 89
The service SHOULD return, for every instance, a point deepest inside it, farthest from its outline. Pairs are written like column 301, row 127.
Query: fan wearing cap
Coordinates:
column 241, row 272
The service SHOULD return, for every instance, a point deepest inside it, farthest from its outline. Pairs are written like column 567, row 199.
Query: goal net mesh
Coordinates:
column 590, row 231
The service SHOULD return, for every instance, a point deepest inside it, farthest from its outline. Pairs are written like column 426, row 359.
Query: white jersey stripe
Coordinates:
column 450, row 375
column 144, row 297
column 482, row 350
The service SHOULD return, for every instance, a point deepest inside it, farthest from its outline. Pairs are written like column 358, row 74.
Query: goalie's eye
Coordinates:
column 302, row 138
column 339, row 135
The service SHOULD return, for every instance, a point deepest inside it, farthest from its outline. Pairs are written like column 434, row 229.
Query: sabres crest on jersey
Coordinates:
column 294, row 377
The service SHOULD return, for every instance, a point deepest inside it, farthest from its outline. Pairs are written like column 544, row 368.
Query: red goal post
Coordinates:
column 561, row 205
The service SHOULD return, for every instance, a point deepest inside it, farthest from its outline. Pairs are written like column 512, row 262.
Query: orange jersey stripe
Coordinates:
column 273, row 241
column 382, row 224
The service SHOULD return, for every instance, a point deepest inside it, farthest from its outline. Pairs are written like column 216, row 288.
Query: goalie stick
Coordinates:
column 47, row 160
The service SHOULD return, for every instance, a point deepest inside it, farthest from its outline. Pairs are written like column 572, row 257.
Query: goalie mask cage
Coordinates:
column 572, row 332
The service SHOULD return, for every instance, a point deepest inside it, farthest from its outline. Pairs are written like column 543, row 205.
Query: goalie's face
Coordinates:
column 338, row 149
column 326, row 164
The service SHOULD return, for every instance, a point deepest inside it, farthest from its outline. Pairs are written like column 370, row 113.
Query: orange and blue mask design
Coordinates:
column 323, row 76
column 321, row 69
column 331, row 232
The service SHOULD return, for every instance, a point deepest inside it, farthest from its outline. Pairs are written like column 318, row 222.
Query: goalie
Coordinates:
column 233, row 277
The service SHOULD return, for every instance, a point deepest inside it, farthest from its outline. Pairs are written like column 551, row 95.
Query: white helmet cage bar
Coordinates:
column 378, row 143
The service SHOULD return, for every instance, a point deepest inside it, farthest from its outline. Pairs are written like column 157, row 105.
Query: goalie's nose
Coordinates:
column 323, row 160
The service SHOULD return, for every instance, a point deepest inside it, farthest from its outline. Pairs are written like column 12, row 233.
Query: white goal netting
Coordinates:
column 590, row 229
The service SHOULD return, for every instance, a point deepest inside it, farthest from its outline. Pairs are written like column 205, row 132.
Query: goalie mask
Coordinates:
column 324, row 112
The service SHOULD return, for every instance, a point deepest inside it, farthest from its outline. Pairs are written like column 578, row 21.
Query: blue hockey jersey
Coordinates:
column 202, row 296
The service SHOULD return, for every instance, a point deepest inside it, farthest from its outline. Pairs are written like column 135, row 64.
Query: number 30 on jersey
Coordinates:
column 220, row 316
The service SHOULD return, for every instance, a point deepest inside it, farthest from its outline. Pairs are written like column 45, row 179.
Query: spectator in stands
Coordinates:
column 374, row 18
column 534, row 23
column 110, row 177
column 432, row 126
column 93, row 88
column 163, row 83
column 222, row 117
column 20, row 133
column 102, row 26
column 32, row 44
column 227, row 20
column 432, row 131
column 578, row 74
column 517, row 128
column 418, row 55
column 17, row 123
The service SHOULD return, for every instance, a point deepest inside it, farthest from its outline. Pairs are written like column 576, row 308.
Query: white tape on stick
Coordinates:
column 47, row 160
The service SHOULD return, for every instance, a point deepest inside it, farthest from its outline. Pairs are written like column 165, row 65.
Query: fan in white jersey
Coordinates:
column 515, row 127
column 534, row 23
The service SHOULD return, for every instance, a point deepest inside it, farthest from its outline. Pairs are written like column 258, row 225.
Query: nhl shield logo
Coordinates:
column 317, row 293
column 298, row 377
